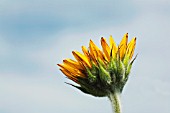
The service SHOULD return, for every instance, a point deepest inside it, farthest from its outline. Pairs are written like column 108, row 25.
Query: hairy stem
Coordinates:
column 115, row 101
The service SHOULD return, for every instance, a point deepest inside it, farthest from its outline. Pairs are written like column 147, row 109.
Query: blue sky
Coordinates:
column 36, row 35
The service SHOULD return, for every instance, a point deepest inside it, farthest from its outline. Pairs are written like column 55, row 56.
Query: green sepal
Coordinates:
column 104, row 75
column 128, row 70
column 91, row 77
column 91, row 89
column 112, row 69
column 129, row 67
column 78, row 87
column 120, row 70
column 112, row 65
column 94, row 69
column 126, row 61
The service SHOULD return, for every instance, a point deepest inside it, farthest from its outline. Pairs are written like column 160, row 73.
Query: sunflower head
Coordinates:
column 101, row 72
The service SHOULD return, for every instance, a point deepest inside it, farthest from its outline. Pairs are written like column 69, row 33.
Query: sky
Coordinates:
column 35, row 35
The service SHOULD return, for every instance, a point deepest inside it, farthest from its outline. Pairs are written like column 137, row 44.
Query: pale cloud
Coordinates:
column 163, row 88
column 41, row 94
column 45, row 91
column 5, row 47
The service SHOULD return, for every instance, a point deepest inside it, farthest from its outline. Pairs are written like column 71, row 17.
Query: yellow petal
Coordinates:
column 113, row 46
column 69, row 75
column 73, row 64
column 95, row 52
column 86, row 52
column 81, row 58
column 106, row 48
column 123, row 46
column 71, row 70
column 131, row 47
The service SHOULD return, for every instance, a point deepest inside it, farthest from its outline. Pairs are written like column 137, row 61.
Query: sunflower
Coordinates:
column 101, row 72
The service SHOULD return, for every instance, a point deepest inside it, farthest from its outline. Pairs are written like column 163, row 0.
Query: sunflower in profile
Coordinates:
column 101, row 72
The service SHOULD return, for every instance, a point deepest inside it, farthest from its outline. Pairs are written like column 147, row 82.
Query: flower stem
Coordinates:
column 115, row 101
